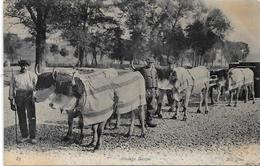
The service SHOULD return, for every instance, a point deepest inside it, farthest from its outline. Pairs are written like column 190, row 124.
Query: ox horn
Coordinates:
column 54, row 73
column 37, row 69
column 73, row 79
column 132, row 65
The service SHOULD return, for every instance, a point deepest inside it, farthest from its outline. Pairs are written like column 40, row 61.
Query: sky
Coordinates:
column 243, row 14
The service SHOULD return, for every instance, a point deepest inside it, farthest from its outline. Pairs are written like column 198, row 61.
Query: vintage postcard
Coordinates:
column 120, row 82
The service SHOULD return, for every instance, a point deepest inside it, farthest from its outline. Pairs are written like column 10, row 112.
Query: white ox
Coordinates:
column 189, row 81
column 240, row 78
column 100, row 98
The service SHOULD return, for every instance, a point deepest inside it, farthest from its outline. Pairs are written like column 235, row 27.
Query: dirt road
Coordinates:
column 226, row 135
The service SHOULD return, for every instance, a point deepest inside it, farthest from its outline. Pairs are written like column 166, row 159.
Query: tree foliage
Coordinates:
column 11, row 43
column 202, row 34
column 36, row 16
column 235, row 51
column 128, row 30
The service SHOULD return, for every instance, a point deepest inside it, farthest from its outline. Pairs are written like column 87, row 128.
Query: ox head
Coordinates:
column 68, row 91
column 46, row 84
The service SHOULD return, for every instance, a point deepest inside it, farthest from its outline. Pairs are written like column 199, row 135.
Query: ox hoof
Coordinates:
column 128, row 135
column 198, row 111
column 159, row 116
column 97, row 147
column 184, row 118
column 78, row 141
column 235, row 105
column 142, row 135
column 174, row 117
column 66, row 138
column 206, row 111
column 229, row 105
column 253, row 102
column 89, row 145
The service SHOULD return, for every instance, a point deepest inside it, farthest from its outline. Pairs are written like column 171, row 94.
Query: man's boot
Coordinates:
column 158, row 111
column 149, row 120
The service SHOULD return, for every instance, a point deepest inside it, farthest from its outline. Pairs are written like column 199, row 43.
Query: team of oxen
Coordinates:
column 95, row 96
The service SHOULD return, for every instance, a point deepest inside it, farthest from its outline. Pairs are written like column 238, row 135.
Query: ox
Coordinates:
column 238, row 79
column 165, row 87
column 46, row 86
column 218, row 82
column 189, row 81
column 99, row 98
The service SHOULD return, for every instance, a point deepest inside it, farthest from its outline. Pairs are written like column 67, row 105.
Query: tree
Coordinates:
column 204, row 33
column 54, row 49
column 11, row 43
column 134, row 12
column 81, row 22
column 36, row 16
column 235, row 51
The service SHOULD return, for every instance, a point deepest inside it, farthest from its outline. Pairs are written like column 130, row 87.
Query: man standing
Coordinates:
column 21, row 90
column 151, row 84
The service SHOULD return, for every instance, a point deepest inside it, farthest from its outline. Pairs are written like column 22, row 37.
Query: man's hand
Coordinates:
column 12, row 105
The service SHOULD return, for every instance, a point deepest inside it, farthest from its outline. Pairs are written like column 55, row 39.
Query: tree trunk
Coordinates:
column 94, row 56
column 82, row 56
column 40, row 49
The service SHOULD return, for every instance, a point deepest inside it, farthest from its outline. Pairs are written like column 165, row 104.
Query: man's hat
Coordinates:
column 24, row 63
column 150, row 60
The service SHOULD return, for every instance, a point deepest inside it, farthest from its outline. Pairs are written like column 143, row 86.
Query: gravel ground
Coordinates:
column 226, row 135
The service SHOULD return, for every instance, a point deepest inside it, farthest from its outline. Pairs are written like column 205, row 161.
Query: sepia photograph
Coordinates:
column 131, row 82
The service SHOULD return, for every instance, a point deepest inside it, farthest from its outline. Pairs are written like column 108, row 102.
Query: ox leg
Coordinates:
column 253, row 92
column 69, row 132
column 219, row 93
column 206, row 101
column 142, row 120
column 118, row 122
column 201, row 101
column 224, row 93
column 81, row 125
column 178, row 104
column 95, row 135
column 159, row 101
column 131, row 128
column 186, row 102
column 246, row 97
column 237, row 96
column 100, row 130
column 109, row 122
column 170, row 99
column 230, row 97
column 211, row 95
